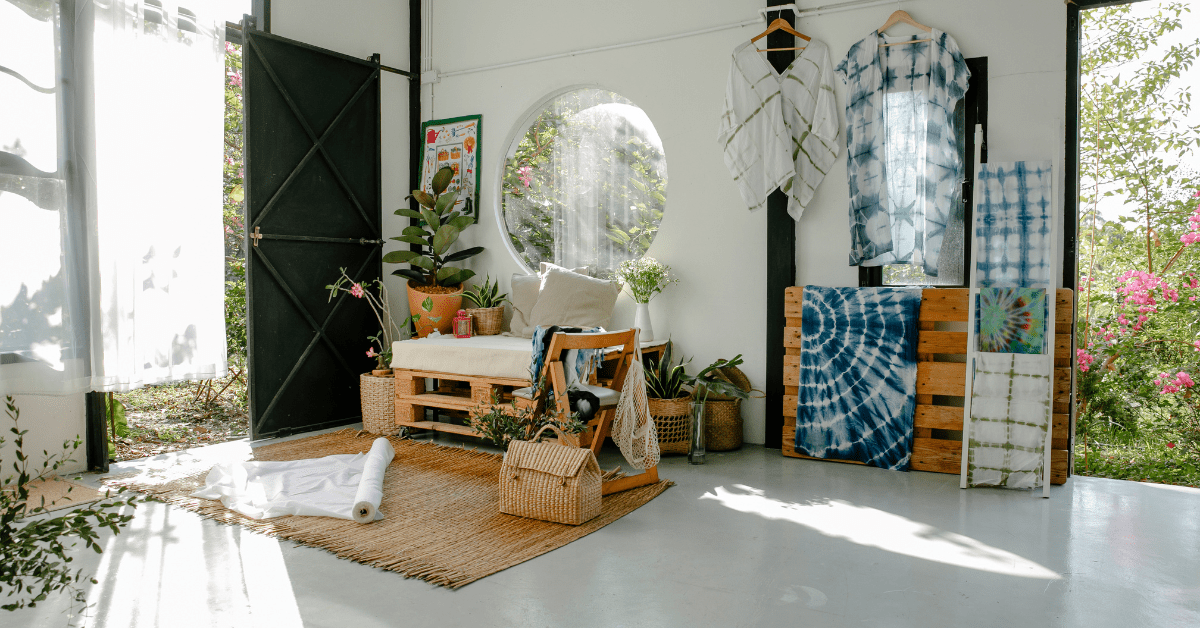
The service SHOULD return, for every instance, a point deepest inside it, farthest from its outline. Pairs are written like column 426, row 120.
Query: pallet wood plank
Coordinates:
column 943, row 304
column 937, row 455
column 791, row 337
column 938, row 417
column 941, row 378
column 942, row 342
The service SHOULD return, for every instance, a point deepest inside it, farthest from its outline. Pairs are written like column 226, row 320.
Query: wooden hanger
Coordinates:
column 903, row 16
column 780, row 24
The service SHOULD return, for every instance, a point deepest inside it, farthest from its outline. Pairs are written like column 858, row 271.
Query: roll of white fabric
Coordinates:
column 320, row 487
column 370, row 485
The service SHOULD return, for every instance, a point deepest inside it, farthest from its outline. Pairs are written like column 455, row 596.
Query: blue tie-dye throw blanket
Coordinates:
column 858, row 374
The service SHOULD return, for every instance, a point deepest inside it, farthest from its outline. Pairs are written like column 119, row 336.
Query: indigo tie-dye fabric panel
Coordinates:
column 583, row 360
column 1011, row 320
column 858, row 374
column 1012, row 236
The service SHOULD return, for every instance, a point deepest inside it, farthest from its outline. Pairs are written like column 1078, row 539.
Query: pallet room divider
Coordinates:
column 941, row 380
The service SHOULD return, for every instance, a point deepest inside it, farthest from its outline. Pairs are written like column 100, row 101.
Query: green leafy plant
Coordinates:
column 487, row 294
column 710, row 380
column 34, row 560
column 501, row 424
column 438, row 227
column 665, row 380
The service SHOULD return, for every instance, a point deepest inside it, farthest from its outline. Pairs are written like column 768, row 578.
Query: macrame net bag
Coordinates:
column 633, row 429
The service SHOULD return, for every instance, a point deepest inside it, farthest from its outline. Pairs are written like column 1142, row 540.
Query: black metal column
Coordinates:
column 781, row 257
column 415, row 143
column 96, row 429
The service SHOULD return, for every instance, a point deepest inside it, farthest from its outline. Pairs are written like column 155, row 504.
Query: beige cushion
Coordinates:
column 571, row 299
column 607, row 396
column 523, row 294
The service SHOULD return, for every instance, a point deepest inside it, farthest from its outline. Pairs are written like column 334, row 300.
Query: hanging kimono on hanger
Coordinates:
column 779, row 130
column 902, row 158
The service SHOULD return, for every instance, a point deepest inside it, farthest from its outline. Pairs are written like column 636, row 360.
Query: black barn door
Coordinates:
column 313, row 206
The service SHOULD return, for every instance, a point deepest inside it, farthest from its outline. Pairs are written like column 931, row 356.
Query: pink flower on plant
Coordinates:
column 1170, row 445
column 525, row 174
column 371, row 352
column 1084, row 359
column 356, row 290
column 1196, row 345
column 235, row 78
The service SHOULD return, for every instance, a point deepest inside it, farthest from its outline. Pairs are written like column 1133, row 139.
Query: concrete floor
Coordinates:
column 749, row 539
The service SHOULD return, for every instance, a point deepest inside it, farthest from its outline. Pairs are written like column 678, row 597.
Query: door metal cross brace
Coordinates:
column 319, row 328
column 318, row 143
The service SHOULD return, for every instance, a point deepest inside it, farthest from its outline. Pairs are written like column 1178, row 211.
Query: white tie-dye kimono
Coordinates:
column 779, row 130
column 902, row 157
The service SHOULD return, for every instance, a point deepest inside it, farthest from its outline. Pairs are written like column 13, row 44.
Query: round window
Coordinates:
column 584, row 182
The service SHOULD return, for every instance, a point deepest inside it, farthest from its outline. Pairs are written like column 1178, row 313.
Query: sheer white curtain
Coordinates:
column 155, row 198
column 43, row 331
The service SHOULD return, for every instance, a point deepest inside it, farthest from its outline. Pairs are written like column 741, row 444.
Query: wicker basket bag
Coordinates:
column 549, row 481
column 378, row 395
column 672, row 423
column 488, row 320
column 723, row 415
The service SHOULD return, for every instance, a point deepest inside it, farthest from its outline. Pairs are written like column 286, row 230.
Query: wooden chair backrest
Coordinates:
column 554, row 372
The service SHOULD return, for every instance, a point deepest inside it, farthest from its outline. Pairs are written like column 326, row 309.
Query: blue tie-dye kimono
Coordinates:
column 902, row 156
column 858, row 374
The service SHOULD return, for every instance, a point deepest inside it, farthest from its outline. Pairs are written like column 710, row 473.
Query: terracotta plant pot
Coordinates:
column 436, row 310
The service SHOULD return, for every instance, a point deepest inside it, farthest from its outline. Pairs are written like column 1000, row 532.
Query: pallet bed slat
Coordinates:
column 941, row 380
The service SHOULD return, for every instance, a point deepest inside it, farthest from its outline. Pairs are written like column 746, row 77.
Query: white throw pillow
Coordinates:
column 572, row 299
column 523, row 295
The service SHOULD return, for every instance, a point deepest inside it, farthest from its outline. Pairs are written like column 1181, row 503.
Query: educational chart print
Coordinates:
column 455, row 143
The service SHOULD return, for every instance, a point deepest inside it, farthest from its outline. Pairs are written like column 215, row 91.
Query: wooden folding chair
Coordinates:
column 600, row 426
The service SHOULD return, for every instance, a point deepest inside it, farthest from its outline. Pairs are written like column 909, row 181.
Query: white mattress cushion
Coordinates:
column 485, row 356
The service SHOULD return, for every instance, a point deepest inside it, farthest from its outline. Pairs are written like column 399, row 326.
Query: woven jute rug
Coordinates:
column 441, row 511
column 56, row 493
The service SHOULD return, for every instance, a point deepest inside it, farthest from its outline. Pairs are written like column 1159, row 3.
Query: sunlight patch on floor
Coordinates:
column 870, row 527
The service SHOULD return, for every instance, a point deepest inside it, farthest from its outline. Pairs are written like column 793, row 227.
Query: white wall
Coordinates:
column 717, row 247
column 360, row 28
column 50, row 421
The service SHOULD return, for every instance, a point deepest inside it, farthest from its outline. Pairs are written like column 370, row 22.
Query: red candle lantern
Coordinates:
column 462, row 325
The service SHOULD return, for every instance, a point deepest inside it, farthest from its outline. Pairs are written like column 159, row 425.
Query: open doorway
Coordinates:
column 1138, row 245
column 170, row 417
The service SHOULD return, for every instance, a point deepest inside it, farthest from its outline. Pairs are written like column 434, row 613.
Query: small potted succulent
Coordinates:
column 434, row 289
column 489, row 306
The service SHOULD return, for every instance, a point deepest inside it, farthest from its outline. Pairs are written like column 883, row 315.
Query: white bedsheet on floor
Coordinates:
column 345, row 486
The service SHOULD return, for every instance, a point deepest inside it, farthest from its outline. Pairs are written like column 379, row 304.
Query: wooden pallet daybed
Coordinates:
column 466, row 393
column 941, row 381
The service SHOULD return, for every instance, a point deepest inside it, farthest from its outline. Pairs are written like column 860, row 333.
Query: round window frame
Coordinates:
column 521, row 128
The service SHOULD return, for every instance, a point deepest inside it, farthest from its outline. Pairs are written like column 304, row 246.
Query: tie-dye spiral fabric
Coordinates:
column 1011, row 320
column 858, row 374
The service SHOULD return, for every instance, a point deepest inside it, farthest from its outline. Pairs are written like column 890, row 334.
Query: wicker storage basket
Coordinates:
column 672, row 423
column 723, row 415
column 378, row 395
column 488, row 320
column 722, row 424
column 550, row 481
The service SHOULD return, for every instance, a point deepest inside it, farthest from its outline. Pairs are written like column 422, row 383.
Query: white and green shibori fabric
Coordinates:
column 779, row 130
column 902, row 155
column 1010, row 414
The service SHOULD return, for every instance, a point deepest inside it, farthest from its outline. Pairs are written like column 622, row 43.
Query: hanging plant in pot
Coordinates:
column 434, row 289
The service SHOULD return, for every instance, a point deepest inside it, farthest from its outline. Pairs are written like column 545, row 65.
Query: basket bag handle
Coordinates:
column 565, row 439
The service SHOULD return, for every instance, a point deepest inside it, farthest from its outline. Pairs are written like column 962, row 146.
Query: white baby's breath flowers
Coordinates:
column 645, row 277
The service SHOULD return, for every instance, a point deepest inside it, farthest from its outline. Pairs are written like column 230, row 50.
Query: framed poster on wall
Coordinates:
column 454, row 142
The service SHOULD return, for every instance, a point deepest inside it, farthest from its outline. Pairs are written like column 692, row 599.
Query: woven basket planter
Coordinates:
column 488, row 320
column 378, row 395
column 722, row 424
column 672, row 423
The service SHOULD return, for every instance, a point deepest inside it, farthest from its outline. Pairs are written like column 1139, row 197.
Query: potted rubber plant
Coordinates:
column 670, row 401
column 434, row 288
column 489, row 306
